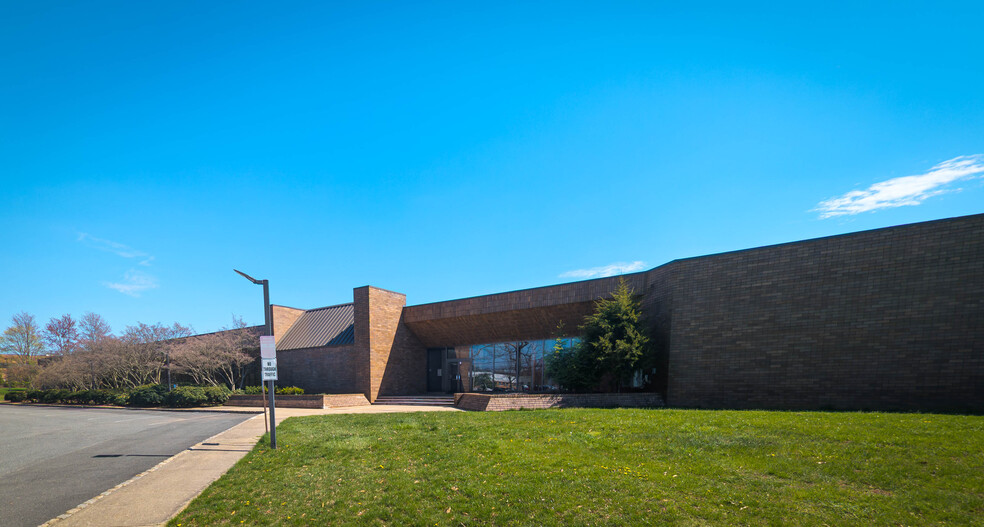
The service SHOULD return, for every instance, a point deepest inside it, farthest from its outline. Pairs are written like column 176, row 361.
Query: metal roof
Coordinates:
column 325, row 326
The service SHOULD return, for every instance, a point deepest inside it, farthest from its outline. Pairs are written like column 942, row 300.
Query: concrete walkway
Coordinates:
column 157, row 495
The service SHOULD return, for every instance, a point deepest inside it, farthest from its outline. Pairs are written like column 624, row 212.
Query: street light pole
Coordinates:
column 267, row 331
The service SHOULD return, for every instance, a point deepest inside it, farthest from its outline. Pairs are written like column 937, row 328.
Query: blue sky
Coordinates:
column 446, row 150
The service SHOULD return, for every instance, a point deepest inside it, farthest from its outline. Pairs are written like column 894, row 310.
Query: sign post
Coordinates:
column 268, row 365
column 267, row 349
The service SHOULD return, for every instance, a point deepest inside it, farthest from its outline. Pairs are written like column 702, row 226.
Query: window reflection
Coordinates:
column 514, row 366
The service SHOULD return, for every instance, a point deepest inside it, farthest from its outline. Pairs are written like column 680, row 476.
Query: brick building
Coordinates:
column 884, row 319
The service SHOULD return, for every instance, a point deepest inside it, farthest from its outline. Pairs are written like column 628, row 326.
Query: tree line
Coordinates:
column 84, row 354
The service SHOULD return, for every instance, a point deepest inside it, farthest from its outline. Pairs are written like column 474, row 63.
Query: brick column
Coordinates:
column 391, row 361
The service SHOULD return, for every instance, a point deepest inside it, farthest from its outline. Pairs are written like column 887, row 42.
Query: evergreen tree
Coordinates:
column 613, row 335
column 572, row 367
column 613, row 341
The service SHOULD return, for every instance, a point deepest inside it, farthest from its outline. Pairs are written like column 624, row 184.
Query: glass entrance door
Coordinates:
column 458, row 377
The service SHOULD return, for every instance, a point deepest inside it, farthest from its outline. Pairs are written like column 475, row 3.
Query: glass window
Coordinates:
column 483, row 368
column 504, row 366
column 517, row 366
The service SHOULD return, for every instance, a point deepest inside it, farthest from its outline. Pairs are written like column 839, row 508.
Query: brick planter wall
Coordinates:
column 302, row 401
column 336, row 400
column 515, row 401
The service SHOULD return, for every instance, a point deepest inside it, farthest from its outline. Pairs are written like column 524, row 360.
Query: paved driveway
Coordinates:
column 54, row 458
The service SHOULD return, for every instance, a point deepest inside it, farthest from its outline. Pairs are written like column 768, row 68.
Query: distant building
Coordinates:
column 884, row 319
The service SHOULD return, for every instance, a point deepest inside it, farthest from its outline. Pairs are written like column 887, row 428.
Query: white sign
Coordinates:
column 269, row 369
column 267, row 348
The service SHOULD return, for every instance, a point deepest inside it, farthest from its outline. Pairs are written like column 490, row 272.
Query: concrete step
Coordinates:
column 416, row 400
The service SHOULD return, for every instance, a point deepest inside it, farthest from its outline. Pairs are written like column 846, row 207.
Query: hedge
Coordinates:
column 187, row 396
column 279, row 390
column 147, row 396
column 16, row 396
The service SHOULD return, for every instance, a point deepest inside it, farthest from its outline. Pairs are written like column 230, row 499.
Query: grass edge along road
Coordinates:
column 607, row 467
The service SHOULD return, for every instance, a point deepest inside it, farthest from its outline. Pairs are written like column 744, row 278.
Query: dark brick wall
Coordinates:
column 539, row 297
column 320, row 370
column 656, row 300
column 526, row 314
column 536, row 313
column 886, row 319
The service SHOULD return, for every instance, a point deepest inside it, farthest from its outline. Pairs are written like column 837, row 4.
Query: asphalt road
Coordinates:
column 54, row 458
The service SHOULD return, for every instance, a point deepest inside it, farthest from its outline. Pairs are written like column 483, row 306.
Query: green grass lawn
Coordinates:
column 607, row 467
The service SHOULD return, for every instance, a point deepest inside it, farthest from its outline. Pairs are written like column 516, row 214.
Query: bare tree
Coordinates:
column 69, row 371
column 216, row 358
column 93, row 329
column 21, row 374
column 61, row 335
column 140, row 354
column 156, row 333
column 22, row 338
column 241, row 349
column 103, row 361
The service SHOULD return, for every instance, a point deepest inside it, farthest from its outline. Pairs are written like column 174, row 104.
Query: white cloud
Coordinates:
column 134, row 282
column 906, row 190
column 605, row 270
column 116, row 248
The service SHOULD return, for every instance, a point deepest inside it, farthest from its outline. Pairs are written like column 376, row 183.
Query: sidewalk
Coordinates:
column 155, row 496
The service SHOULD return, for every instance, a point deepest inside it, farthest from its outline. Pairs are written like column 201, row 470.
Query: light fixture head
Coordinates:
column 248, row 277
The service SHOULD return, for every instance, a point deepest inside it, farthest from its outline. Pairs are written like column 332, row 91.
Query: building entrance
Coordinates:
column 458, row 377
column 435, row 370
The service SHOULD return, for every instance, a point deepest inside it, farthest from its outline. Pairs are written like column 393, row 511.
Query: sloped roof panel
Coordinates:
column 326, row 326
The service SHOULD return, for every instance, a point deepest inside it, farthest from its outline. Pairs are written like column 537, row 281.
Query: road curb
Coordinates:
column 67, row 514
column 214, row 409
column 82, row 506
